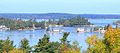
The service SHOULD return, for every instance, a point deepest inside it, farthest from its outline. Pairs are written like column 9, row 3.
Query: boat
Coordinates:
column 56, row 30
column 80, row 30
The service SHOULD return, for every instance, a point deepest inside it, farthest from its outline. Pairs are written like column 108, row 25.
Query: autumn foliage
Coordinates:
column 110, row 43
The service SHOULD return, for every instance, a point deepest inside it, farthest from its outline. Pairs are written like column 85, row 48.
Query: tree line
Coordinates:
column 19, row 24
column 72, row 21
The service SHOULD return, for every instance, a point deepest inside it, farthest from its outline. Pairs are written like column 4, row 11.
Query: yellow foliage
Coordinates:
column 17, row 51
column 65, row 49
column 110, row 43
column 112, row 36
column 92, row 40
column 95, row 45
column 116, row 50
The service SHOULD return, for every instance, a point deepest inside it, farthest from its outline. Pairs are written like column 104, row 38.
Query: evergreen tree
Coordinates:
column 24, row 45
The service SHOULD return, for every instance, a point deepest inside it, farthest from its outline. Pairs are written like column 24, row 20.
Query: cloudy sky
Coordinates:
column 61, row 6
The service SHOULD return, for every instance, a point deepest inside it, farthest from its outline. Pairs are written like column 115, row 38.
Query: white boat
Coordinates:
column 80, row 30
column 56, row 30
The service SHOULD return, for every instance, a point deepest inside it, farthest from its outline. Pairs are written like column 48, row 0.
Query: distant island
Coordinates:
column 20, row 24
column 58, row 15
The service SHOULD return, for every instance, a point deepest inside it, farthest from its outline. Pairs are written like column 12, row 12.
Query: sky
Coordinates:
column 61, row 6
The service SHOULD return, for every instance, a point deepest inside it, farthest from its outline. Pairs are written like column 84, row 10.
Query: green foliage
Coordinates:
column 65, row 47
column 24, row 45
column 6, row 45
column 44, row 46
column 19, row 24
column 70, row 21
column 64, row 39
column 74, row 21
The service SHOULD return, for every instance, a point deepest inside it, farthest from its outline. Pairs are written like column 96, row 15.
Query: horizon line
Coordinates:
column 56, row 13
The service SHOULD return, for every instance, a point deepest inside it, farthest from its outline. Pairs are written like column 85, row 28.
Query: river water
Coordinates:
column 34, row 35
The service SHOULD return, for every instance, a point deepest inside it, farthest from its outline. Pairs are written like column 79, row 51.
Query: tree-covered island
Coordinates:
column 32, row 23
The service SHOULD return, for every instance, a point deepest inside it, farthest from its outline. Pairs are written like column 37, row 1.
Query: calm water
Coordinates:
column 34, row 35
column 103, row 22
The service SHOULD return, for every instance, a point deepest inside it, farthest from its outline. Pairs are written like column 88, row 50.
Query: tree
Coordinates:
column 110, row 43
column 64, row 39
column 45, row 46
column 112, row 39
column 69, row 48
column 96, row 45
column 1, row 46
column 24, row 45
column 65, row 47
column 74, row 21
column 42, row 44
column 6, row 45
column 16, row 50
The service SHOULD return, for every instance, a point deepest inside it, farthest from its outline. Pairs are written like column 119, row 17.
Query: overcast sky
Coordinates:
column 61, row 6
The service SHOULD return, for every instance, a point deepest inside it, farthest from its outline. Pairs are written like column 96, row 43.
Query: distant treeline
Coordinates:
column 20, row 24
column 74, row 21
column 58, row 16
